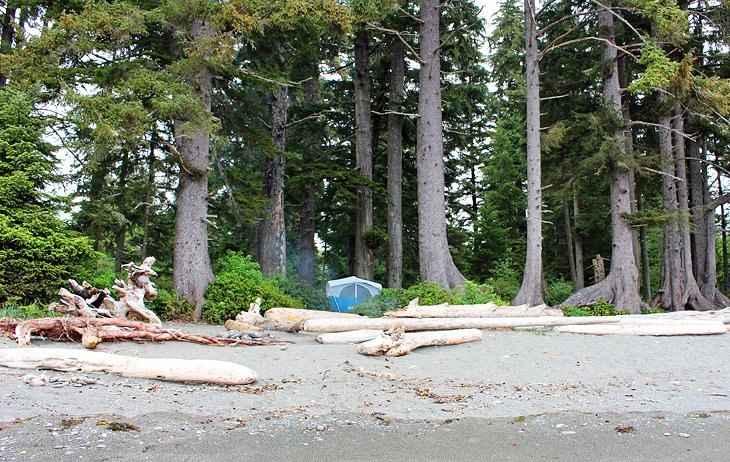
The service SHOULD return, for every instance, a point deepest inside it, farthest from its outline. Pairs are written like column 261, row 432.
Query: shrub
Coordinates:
column 428, row 293
column 474, row 294
column 601, row 308
column 14, row 309
column 238, row 283
column 558, row 292
column 506, row 280
column 313, row 297
column 386, row 300
column 170, row 306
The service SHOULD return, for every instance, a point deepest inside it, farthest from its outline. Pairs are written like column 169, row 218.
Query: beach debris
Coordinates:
column 396, row 342
column 89, row 302
column 167, row 369
column 353, row 336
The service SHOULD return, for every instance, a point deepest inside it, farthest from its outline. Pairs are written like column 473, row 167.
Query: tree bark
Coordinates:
column 8, row 33
column 395, row 164
column 723, row 223
column 271, row 230
column 621, row 286
column 363, row 257
column 531, row 290
column 435, row 261
column 645, row 275
column 569, row 242
column 579, row 271
column 191, row 267
column 149, row 196
column 306, row 267
column 121, row 200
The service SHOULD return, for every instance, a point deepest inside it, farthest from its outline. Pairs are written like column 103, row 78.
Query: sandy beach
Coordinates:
column 516, row 395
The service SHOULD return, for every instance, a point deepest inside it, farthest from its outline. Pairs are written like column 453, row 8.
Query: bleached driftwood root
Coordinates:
column 354, row 336
column 396, row 342
column 90, row 302
column 653, row 327
column 168, row 369
column 413, row 324
column 488, row 310
column 92, row 331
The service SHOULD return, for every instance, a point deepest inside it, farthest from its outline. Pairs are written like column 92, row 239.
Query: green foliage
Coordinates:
column 601, row 308
column 312, row 296
column 506, row 280
column 658, row 73
column 169, row 306
column 38, row 251
column 558, row 291
column 474, row 294
column 13, row 309
column 238, row 283
column 427, row 293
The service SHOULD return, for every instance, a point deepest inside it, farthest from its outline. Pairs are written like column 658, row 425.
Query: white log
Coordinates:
column 396, row 342
column 353, row 336
column 488, row 310
column 253, row 315
column 291, row 315
column 168, row 369
column 411, row 324
column 660, row 329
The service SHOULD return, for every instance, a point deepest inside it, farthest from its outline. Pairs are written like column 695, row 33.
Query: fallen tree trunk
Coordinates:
column 396, row 342
column 412, row 324
column 660, row 329
column 292, row 315
column 92, row 331
column 488, row 310
column 354, row 336
column 168, row 369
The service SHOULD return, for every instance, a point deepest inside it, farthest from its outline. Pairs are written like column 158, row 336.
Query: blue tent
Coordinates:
column 345, row 293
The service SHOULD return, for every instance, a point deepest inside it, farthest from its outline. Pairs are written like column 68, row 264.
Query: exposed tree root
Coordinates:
column 609, row 290
column 92, row 331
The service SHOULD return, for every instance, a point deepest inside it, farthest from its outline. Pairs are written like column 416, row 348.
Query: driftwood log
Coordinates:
column 90, row 302
column 488, row 310
column 414, row 324
column 396, row 342
column 652, row 327
column 292, row 315
column 92, row 331
column 353, row 336
column 168, row 369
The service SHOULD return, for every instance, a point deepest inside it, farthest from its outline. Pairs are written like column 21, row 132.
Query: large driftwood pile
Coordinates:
column 400, row 331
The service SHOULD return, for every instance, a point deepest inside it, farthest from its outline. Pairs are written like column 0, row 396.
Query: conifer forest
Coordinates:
column 559, row 152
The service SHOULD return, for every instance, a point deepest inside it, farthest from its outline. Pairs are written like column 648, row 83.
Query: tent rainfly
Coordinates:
column 345, row 293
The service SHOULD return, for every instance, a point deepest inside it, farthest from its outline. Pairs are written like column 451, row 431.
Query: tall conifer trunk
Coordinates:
column 363, row 256
column 271, row 237
column 306, row 267
column 395, row 164
column 191, row 267
column 621, row 285
column 531, row 290
column 435, row 261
